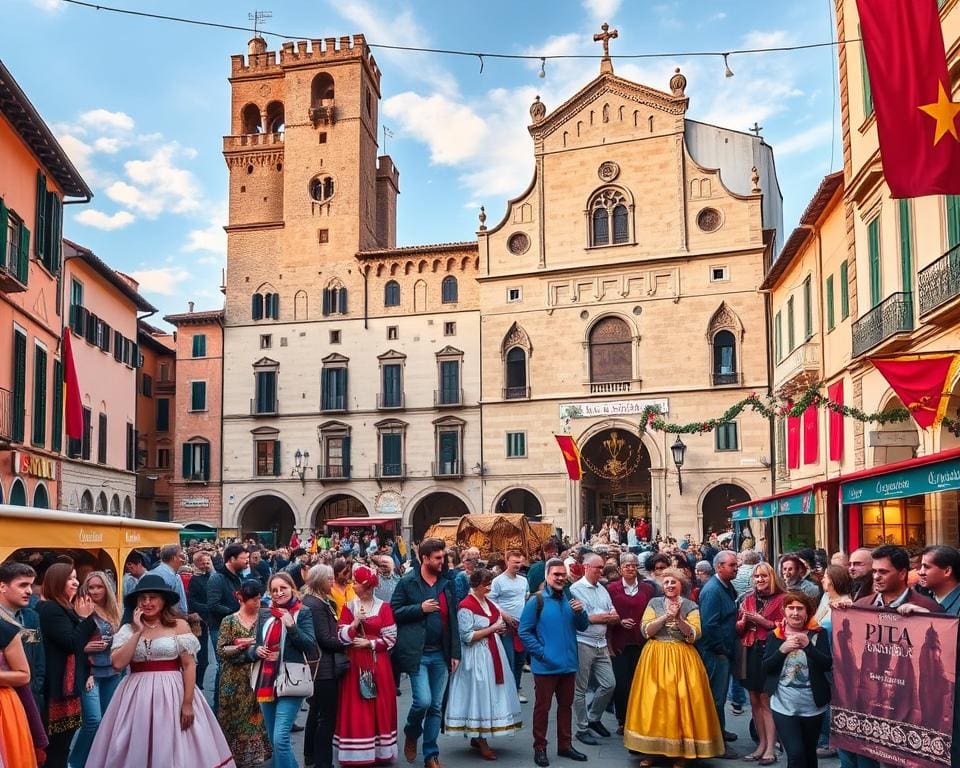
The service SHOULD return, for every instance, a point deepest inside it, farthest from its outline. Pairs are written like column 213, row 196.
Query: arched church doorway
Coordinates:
column 520, row 501
column 268, row 519
column 716, row 517
column 339, row 505
column 616, row 478
column 431, row 508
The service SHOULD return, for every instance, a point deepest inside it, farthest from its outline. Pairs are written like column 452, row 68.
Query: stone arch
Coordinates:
column 420, row 296
column 127, row 507
column 275, row 121
column 101, row 506
column 422, row 266
column 422, row 510
column 301, row 306
column 408, row 268
column 86, row 501
column 267, row 511
column 907, row 449
column 610, row 345
column 321, row 90
column 609, row 216
column 714, row 501
column 250, row 120
column 464, row 263
column 516, row 336
column 18, row 493
column 724, row 318
column 394, row 268
column 362, row 507
column 115, row 505
column 41, row 499
column 653, row 449
column 508, row 500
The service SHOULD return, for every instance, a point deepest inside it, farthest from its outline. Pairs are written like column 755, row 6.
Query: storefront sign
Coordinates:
column 797, row 504
column 37, row 466
column 609, row 408
column 942, row 476
column 196, row 501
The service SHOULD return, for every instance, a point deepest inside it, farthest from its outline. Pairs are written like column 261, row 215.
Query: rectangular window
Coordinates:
column 198, row 395
column 778, row 337
column 19, row 399
column 392, row 395
column 448, row 448
column 449, row 382
column 336, row 458
column 163, row 458
column 266, row 392
column 873, row 250
column 196, row 461
column 391, row 449
column 844, row 292
column 449, row 329
column 102, row 439
column 828, row 290
column 87, row 438
column 393, row 332
column 334, row 337
column 14, row 245
column 163, row 414
column 38, row 435
column 268, row 458
column 131, row 447
column 791, row 340
column 164, row 372
column 953, row 221
column 56, row 435
column 266, row 341
column 726, row 437
column 516, row 445
column 865, row 79
column 807, row 309
column 200, row 345
column 323, row 235
column 514, row 294
column 147, row 385
column 906, row 246
column 333, row 386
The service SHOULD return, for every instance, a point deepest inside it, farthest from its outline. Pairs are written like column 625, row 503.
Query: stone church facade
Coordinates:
column 625, row 273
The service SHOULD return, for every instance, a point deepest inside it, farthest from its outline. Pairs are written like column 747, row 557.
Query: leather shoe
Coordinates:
column 409, row 749
column 571, row 754
column 540, row 758
column 296, row 728
column 727, row 736
column 598, row 728
column 587, row 738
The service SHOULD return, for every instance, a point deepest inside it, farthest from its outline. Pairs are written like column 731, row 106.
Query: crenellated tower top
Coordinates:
column 259, row 61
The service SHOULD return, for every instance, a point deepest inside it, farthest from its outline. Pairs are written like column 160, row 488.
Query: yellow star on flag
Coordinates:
column 944, row 112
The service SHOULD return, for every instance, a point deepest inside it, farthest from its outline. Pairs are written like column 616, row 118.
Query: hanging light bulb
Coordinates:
column 543, row 71
column 727, row 72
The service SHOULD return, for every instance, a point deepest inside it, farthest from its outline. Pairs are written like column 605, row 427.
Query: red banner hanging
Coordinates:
column 571, row 456
column 811, row 435
column 793, row 442
column 835, row 393
column 921, row 382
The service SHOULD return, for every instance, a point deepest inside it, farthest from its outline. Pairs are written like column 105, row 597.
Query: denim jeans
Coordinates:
column 515, row 658
column 214, row 636
column 799, row 736
column 718, row 671
column 428, row 684
column 278, row 717
column 93, row 704
column 736, row 694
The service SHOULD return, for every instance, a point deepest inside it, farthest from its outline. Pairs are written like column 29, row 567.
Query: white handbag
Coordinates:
column 294, row 679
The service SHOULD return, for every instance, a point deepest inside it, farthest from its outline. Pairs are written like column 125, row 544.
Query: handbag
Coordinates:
column 294, row 679
column 368, row 685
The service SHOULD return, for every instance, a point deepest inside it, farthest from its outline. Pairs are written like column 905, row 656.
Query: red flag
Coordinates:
column 835, row 393
column 71, row 391
column 793, row 442
column 811, row 434
column 571, row 456
column 910, row 85
column 920, row 382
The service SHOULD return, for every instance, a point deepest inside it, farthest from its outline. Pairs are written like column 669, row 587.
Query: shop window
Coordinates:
column 900, row 522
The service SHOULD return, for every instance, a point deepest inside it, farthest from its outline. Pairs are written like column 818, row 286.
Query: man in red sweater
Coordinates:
column 629, row 595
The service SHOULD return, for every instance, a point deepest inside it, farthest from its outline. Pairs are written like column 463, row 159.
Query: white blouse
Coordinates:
column 158, row 649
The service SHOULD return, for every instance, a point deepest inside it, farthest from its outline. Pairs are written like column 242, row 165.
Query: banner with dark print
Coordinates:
column 894, row 682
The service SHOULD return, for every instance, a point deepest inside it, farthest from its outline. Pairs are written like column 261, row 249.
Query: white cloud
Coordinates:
column 811, row 138
column 165, row 281
column 103, row 120
column 109, row 146
column 77, row 150
column 452, row 131
column 158, row 185
column 602, row 10
column 50, row 6
column 99, row 220
column 775, row 38
column 211, row 239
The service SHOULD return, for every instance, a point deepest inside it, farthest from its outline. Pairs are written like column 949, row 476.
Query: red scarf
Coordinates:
column 269, row 669
column 473, row 605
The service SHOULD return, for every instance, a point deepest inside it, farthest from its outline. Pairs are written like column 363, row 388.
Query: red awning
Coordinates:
column 356, row 522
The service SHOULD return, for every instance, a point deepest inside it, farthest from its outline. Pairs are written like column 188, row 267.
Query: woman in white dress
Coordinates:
column 155, row 720
column 482, row 700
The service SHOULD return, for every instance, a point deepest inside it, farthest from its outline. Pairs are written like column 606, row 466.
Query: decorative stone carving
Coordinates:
column 518, row 243
column 709, row 219
column 538, row 110
column 516, row 337
column 678, row 83
column 483, row 219
column 755, row 180
column 608, row 171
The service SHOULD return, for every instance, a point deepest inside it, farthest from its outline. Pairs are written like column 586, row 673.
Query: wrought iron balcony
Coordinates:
column 940, row 282
column 389, row 470
column 725, row 379
column 9, row 282
column 333, row 472
column 446, row 468
column 516, row 393
column 258, row 408
column 447, row 397
column 333, row 403
column 891, row 316
column 609, row 387
column 389, row 400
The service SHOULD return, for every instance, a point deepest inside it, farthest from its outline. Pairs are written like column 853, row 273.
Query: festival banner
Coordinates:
column 571, row 456
column 882, row 661
column 922, row 382
column 835, row 394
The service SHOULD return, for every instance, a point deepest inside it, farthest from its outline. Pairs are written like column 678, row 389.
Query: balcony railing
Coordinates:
column 9, row 282
column 333, row 403
column 6, row 415
column 447, row 468
column 333, row 472
column 263, row 409
column 802, row 363
column 609, row 387
column 516, row 393
column 389, row 470
column 389, row 400
column 447, row 397
column 940, row 282
column 891, row 316
column 725, row 379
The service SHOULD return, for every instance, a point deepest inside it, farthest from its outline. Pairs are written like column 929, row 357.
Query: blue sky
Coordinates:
column 141, row 105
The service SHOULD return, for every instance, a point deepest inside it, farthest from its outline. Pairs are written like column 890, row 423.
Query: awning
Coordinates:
column 796, row 501
column 351, row 522
column 913, row 477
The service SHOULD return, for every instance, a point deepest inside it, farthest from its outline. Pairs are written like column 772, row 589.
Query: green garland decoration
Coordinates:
column 772, row 407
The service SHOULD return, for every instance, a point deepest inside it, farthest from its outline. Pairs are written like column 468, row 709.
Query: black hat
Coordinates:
column 151, row 582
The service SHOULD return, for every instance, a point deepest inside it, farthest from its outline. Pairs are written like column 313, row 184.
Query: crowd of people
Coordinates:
column 662, row 639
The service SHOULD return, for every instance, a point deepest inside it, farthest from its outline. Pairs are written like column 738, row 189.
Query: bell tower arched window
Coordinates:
column 610, row 218
column 724, row 358
column 516, row 378
column 611, row 354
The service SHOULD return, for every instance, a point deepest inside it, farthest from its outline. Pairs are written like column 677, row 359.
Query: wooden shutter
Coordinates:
column 54, row 232
column 19, row 385
column 102, row 438
column 205, row 453
column 256, row 309
column 831, row 320
column 276, row 458
column 56, row 436
column 342, row 301
column 906, row 247
column 23, row 258
column 4, row 218
column 844, row 292
column 38, row 435
column 953, row 221
column 187, row 460
column 275, row 313
column 40, row 223
column 345, row 457
column 326, row 302
column 873, row 245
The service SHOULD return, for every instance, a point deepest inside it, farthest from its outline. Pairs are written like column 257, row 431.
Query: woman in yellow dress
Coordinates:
column 671, row 711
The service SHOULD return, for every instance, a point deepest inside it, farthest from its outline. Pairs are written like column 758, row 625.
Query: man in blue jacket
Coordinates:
column 718, row 641
column 548, row 629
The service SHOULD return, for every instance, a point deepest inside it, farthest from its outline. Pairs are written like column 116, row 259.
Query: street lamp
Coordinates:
column 678, row 449
column 301, row 463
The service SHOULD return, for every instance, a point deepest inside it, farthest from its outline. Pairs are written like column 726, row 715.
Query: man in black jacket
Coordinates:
column 428, row 646
column 222, row 589
column 197, row 603
column 16, row 581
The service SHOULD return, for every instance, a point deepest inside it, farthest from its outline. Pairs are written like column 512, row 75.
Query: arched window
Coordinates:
column 611, row 352
column 275, row 121
column 609, row 218
column 115, row 505
column 86, row 502
column 321, row 89
column 127, row 507
column 321, row 188
column 40, row 498
column 516, row 378
column 101, row 508
column 391, row 294
column 448, row 290
column 250, row 119
column 724, row 358
column 601, row 228
column 18, row 494
column 621, row 229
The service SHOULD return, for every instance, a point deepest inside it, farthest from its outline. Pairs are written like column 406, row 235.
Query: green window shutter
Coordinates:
column 325, row 310
column 392, row 451
column 19, row 385
column 342, row 301
column 790, row 330
column 102, row 438
column 953, row 221
column 40, row 222
column 276, row 458
column 865, row 76
column 200, row 345
column 4, row 218
column 345, row 458
column 56, row 436
column 844, row 292
column 187, row 460
column 38, row 435
column 807, row 309
column 198, row 396
column 906, row 247
column 873, row 250
column 831, row 320
column 23, row 258
column 54, row 234
column 256, row 306
column 163, row 414
column 205, row 454
column 778, row 337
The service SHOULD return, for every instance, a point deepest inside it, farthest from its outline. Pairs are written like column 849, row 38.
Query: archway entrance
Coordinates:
column 716, row 518
column 269, row 519
column 894, row 441
column 519, row 501
column 341, row 505
column 616, row 478
column 431, row 508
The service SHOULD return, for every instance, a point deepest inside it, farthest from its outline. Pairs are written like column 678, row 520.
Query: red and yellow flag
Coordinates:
column 921, row 382
column 910, row 87
column 73, row 405
column 571, row 456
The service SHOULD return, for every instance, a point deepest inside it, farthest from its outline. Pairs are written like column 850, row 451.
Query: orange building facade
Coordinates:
column 155, row 422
